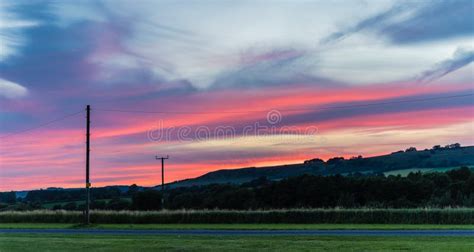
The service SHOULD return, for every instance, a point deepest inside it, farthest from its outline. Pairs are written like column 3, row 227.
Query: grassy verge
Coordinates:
column 240, row 226
column 228, row 243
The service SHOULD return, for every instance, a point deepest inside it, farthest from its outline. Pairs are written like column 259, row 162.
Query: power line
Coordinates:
column 41, row 125
column 289, row 110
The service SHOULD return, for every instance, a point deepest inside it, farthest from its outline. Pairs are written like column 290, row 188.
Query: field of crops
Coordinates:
column 366, row 215
column 405, row 172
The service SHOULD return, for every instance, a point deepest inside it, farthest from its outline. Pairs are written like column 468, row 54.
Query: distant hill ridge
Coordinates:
column 452, row 155
column 438, row 158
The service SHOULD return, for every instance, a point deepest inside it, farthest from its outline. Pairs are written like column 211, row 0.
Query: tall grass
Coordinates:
column 368, row 216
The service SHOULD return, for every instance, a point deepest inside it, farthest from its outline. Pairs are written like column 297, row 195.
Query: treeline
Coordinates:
column 358, row 159
column 454, row 188
column 102, row 198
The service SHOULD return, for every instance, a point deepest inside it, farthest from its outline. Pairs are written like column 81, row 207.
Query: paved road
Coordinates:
column 245, row 232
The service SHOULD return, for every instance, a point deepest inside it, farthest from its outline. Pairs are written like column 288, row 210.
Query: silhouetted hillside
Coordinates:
column 438, row 157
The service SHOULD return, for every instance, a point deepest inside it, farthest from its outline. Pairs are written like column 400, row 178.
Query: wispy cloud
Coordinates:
column 435, row 20
column 12, row 90
column 461, row 58
column 368, row 23
column 282, row 66
column 417, row 21
column 11, row 30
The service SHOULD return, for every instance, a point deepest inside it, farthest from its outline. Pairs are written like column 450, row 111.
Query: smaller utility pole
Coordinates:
column 162, row 178
column 88, row 184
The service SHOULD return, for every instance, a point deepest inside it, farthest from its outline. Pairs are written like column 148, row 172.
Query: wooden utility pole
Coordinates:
column 162, row 178
column 88, row 184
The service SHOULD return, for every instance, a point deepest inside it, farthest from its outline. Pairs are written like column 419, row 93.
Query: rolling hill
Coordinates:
column 411, row 159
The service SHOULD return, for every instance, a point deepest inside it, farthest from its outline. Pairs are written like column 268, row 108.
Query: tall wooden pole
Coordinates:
column 162, row 175
column 88, row 184
column 162, row 179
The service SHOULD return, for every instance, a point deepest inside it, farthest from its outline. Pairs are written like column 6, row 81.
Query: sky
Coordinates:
column 225, row 84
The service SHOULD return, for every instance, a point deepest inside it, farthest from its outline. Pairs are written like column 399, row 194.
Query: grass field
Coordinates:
column 30, row 242
column 239, row 226
column 405, row 172
column 57, row 242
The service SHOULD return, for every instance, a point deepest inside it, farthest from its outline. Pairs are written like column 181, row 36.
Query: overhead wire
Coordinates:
column 41, row 125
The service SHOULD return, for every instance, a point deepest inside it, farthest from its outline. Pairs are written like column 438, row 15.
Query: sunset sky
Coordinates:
column 317, row 78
